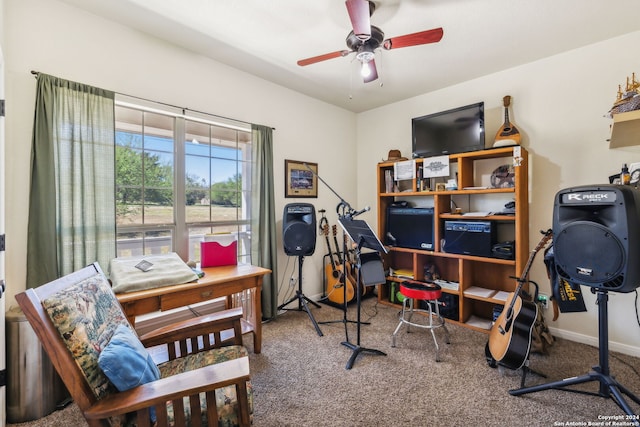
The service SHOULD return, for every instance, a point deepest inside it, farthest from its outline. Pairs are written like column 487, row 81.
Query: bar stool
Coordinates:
column 429, row 293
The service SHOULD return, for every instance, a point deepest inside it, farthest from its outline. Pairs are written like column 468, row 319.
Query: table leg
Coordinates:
column 257, row 327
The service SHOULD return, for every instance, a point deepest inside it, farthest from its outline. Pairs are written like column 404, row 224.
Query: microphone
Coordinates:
column 361, row 211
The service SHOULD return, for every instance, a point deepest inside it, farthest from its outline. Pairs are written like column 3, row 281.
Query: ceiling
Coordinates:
column 267, row 37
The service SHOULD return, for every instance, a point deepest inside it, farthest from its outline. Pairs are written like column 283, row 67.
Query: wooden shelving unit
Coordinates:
column 491, row 274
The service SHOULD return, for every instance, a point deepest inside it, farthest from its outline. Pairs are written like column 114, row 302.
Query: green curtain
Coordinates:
column 72, row 198
column 263, row 220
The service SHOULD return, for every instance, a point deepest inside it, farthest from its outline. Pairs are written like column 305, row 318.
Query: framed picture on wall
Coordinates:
column 300, row 179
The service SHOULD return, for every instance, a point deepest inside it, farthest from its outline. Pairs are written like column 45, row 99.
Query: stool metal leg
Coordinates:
column 402, row 321
column 440, row 322
column 410, row 314
column 443, row 323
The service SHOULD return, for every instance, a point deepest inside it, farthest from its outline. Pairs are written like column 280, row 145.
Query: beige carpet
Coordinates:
column 300, row 378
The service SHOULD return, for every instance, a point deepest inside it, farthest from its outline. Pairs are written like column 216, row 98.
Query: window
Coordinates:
column 180, row 176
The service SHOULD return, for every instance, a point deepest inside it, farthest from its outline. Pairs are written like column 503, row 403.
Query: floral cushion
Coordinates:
column 226, row 399
column 86, row 315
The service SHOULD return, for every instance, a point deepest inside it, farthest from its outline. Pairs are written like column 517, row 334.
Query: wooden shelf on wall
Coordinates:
column 625, row 130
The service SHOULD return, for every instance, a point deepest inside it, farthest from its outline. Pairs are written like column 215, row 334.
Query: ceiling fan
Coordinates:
column 365, row 38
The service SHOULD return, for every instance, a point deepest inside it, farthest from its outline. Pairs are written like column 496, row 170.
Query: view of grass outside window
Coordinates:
column 180, row 177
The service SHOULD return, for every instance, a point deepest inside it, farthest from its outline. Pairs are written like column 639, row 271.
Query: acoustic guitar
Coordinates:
column 334, row 276
column 508, row 133
column 510, row 336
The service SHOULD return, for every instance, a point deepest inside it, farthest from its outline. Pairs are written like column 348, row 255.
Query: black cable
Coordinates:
column 624, row 362
column 282, row 282
column 374, row 311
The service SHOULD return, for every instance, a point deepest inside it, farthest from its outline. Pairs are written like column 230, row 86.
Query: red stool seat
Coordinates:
column 423, row 291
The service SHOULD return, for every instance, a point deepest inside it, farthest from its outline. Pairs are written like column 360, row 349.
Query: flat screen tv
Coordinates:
column 448, row 132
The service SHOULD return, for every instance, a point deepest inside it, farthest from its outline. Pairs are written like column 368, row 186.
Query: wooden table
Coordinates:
column 235, row 282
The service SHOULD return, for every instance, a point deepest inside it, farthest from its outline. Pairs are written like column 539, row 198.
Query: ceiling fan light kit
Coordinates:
column 365, row 38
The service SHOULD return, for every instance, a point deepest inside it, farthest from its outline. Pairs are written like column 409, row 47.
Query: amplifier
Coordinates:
column 409, row 227
column 469, row 237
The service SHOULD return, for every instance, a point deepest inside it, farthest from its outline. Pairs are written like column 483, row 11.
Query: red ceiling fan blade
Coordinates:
column 414, row 39
column 373, row 72
column 360, row 17
column 324, row 57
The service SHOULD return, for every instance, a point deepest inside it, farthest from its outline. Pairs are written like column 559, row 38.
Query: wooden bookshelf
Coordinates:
column 493, row 274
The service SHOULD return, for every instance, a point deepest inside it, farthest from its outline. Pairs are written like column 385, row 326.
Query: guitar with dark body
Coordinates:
column 510, row 336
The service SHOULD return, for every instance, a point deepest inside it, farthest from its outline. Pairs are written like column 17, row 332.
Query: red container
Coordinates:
column 213, row 254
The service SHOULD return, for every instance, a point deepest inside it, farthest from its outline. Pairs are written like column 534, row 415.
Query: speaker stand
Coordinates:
column 302, row 299
column 609, row 387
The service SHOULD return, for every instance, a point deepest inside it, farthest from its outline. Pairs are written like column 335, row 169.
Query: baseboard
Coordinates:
column 593, row 341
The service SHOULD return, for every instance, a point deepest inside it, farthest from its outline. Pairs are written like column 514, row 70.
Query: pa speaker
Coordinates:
column 299, row 229
column 596, row 231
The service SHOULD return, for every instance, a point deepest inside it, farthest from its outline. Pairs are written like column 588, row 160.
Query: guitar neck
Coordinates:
column 335, row 242
column 333, row 263
column 523, row 277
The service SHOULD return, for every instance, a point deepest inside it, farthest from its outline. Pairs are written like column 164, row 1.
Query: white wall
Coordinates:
column 55, row 38
column 558, row 103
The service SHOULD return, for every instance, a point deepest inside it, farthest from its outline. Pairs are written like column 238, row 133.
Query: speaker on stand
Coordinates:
column 299, row 229
column 299, row 239
column 596, row 231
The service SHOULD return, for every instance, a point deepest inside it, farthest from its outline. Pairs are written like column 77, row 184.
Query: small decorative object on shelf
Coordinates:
column 625, row 176
column 634, row 174
column 394, row 156
column 629, row 99
column 503, row 177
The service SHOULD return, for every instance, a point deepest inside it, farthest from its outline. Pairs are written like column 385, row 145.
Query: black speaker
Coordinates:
column 596, row 231
column 299, row 229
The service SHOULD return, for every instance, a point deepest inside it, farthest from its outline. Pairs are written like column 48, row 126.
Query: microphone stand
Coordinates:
column 343, row 279
column 356, row 348
column 345, row 211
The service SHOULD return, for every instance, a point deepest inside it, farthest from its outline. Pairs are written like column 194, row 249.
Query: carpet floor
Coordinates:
column 300, row 378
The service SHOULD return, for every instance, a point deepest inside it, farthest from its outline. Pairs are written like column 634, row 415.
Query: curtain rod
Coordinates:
column 37, row 73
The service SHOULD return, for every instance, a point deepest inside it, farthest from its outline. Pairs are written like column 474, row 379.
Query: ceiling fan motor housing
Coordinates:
column 366, row 46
